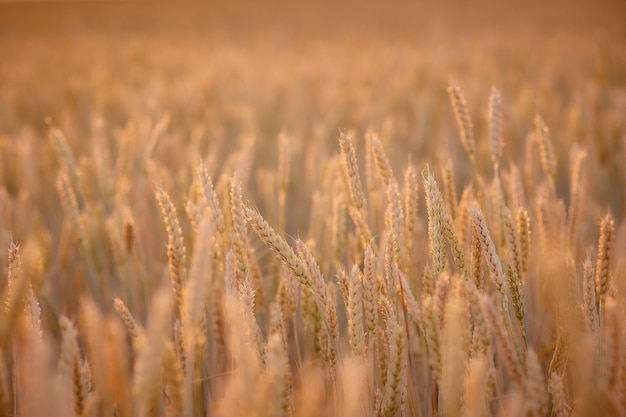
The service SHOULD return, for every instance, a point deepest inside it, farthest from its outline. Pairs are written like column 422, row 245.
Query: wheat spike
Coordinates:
column 536, row 403
column 449, row 188
column 495, row 128
column 546, row 150
column 557, row 391
column 432, row 333
column 606, row 242
column 70, row 364
column 149, row 363
column 383, row 166
column 280, row 247
column 488, row 249
column 590, row 309
column 370, row 290
column 512, row 240
column 175, row 246
column 355, row 312
column 239, row 237
column 351, row 170
column 455, row 349
column 435, row 209
column 508, row 352
column 475, row 393
column 466, row 128
column 395, row 385
column 134, row 329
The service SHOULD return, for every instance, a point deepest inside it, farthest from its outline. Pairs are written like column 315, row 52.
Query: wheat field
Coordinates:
column 313, row 209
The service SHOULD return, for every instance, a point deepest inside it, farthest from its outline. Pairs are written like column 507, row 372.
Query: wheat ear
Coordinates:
column 133, row 328
column 176, row 255
column 70, row 364
column 606, row 242
column 355, row 312
column 370, row 291
column 351, row 170
column 536, row 403
column 560, row 408
column 475, row 393
column 239, row 236
column 466, row 128
column 508, row 352
column 151, row 351
column 495, row 128
column 358, row 209
column 546, row 150
column 449, row 188
column 411, row 206
column 279, row 246
column 479, row 227
column 395, row 385
column 589, row 306
column 432, row 335
column 435, row 210
column 383, row 167
column 455, row 347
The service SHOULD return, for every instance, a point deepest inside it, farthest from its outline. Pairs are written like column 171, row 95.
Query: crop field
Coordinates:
column 312, row 209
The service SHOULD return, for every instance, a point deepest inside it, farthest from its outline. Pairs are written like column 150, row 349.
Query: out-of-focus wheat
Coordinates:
column 463, row 119
column 453, row 310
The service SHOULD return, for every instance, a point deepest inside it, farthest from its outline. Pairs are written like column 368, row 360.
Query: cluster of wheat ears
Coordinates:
column 487, row 302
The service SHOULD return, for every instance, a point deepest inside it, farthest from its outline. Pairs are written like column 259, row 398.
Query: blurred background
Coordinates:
column 223, row 70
